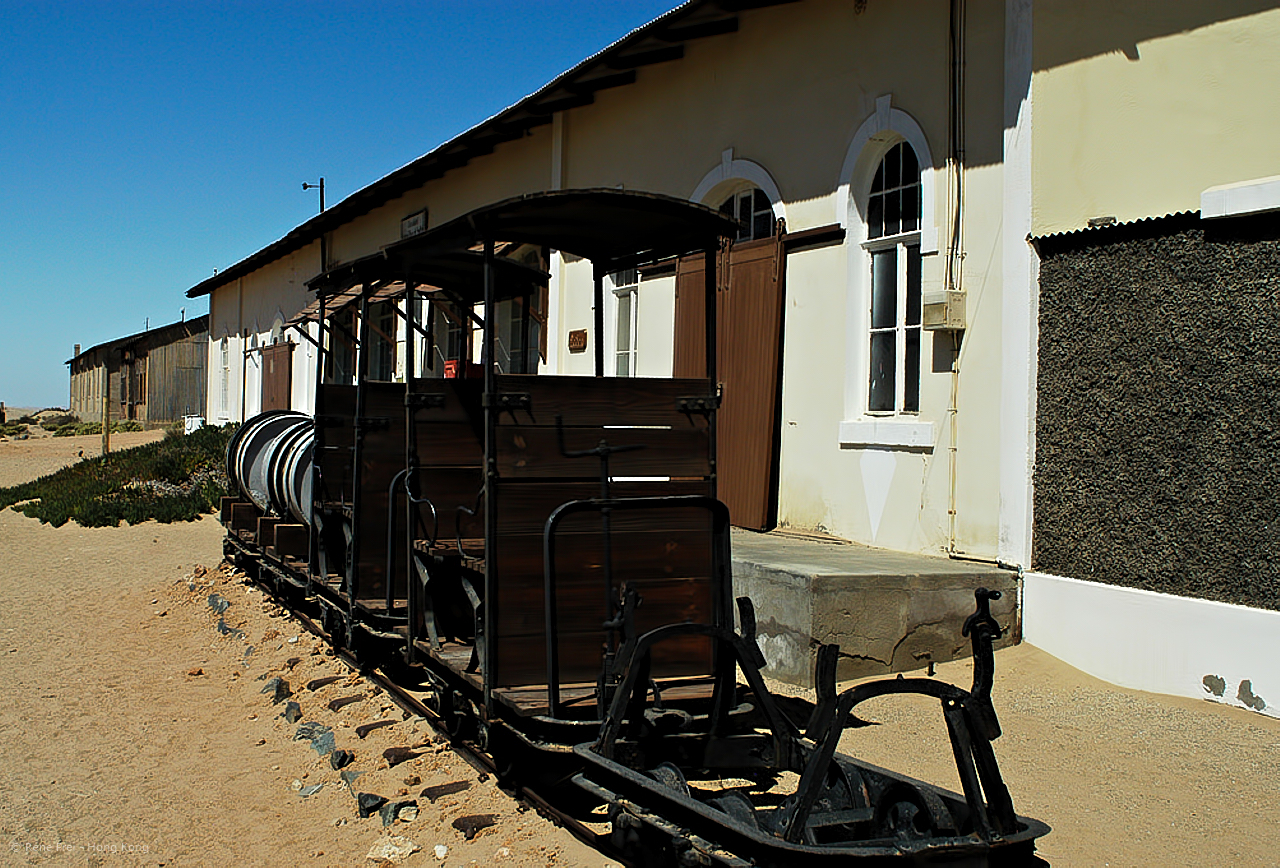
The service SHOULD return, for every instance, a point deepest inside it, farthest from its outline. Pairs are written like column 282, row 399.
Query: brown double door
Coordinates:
column 749, row 316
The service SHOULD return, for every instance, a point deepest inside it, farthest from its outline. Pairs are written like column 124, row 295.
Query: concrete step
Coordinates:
column 889, row 611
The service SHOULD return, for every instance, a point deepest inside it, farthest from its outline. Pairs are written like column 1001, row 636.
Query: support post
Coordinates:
column 317, row 450
column 598, row 338
column 491, row 471
column 106, row 410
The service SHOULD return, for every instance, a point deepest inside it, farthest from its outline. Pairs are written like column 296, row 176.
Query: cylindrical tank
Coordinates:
column 269, row 461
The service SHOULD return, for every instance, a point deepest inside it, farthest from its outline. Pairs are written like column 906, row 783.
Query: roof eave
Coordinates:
column 655, row 42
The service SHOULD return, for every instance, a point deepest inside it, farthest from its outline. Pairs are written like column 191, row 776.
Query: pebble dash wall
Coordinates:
column 1158, row 408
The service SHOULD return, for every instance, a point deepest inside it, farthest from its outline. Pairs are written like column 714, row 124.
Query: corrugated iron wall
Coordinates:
column 176, row 381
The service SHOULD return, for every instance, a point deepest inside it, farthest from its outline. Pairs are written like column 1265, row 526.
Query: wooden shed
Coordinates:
column 154, row 377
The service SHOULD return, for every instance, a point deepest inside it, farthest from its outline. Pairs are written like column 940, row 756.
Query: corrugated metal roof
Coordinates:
column 193, row 326
column 1085, row 231
column 660, row 40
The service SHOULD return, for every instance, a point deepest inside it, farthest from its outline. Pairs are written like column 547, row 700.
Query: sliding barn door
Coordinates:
column 749, row 342
column 277, row 376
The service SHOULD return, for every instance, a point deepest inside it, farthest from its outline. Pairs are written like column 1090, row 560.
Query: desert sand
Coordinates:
column 135, row 733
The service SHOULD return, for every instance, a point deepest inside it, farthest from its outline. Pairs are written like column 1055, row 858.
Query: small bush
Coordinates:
column 175, row 479
column 12, row 429
column 54, row 423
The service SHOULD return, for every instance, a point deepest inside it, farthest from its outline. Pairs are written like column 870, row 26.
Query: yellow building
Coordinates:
column 912, row 171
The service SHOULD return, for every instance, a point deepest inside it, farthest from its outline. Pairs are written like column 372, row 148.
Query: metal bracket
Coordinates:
column 510, row 401
column 372, row 423
column 698, row 403
column 424, row 401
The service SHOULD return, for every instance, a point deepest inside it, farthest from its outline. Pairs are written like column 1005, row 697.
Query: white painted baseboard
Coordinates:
column 1157, row 642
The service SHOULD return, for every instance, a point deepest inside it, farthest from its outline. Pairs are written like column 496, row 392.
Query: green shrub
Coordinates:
column 174, row 479
column 12, row 429
column 55, row 423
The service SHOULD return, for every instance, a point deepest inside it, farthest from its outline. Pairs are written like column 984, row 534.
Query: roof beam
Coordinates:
column 602, row 82
column 646, row 57
column 714, row 27
column 558, row 104
column 740, row 5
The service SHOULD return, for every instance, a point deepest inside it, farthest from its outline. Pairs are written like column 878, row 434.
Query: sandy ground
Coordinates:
column 136, row 734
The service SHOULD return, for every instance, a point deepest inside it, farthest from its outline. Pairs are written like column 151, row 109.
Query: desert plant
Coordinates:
column 175, row 479
column 54, row 423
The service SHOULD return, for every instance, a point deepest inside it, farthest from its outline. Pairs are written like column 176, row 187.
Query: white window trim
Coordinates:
column 731, row 176
column 887, row 431
column 885, row 127
column 1243, row 197
column 900, row 242
column 611, row 310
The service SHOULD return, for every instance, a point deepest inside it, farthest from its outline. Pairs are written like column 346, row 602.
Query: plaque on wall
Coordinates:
column 414, row 224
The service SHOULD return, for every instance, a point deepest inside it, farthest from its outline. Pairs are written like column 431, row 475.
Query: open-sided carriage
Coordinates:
column 545, row 557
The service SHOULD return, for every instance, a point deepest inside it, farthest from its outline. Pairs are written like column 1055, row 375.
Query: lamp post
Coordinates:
column 320, row 187
column 324, row 259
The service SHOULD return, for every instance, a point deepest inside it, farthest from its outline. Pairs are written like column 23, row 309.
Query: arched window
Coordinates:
column 893, row 242
column 752, row 208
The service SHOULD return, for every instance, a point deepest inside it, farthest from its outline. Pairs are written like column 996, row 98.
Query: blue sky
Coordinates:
column 145, row 144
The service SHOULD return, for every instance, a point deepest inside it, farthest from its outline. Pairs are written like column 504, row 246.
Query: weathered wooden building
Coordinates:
column 154, row 377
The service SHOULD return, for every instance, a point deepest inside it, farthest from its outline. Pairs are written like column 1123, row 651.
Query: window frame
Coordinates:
column 759, row 208
column 879, row 134
column 619, row 290
column 902, row 243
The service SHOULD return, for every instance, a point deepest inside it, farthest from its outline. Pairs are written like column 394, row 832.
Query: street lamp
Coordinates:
column 324, row 256
column 320, row 187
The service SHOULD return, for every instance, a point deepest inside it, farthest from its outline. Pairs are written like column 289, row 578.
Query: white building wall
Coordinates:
column 1157, row 642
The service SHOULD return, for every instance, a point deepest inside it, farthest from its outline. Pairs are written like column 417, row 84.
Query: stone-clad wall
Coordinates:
column 1158, row 417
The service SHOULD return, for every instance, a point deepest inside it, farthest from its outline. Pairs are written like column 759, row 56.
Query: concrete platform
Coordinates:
column 889, row 611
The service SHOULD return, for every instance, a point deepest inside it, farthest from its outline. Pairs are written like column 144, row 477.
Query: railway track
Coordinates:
column 412, row 702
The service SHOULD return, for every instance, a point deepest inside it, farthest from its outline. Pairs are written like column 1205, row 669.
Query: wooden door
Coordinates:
column 277, row 376
column 749, row 315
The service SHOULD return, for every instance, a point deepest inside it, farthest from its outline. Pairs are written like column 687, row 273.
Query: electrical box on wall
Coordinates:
column 944, row 310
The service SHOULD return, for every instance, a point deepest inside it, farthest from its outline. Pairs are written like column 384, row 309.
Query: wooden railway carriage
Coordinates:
column 548, row 557
column 432, row 495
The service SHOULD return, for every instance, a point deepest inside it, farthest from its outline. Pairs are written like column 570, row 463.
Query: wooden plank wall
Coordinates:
column 176, row 379
column 665, row 554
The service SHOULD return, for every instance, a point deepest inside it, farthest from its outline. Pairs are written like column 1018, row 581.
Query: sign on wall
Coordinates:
column 414, row 224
